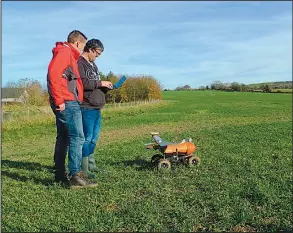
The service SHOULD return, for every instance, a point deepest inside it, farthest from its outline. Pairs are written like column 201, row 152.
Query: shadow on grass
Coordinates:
column 30, row 166
column 37, row 180
column 25, row 165
column 141, row 164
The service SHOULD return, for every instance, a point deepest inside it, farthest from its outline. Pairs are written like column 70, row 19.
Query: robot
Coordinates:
column 172, row 152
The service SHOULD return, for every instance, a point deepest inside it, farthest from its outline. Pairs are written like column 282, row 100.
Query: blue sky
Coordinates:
column 179, row 43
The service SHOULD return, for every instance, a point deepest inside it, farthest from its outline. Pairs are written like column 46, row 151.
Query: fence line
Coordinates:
column 8, row 115
column 132, row 103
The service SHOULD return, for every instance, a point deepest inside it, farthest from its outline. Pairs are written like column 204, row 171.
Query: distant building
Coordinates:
column 13, row 95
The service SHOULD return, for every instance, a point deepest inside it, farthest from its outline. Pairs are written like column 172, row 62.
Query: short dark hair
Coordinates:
column 75, row 35
column 93, row 44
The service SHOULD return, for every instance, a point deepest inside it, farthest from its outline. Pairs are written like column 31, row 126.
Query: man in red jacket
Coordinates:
column 66, row 93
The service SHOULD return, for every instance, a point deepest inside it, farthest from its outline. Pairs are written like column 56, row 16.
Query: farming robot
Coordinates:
column 172, row 152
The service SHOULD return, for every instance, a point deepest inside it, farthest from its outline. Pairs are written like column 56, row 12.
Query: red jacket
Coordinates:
column 64, row 61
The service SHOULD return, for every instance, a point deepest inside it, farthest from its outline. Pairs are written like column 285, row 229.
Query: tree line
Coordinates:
column 236, row 86
column 135, row 88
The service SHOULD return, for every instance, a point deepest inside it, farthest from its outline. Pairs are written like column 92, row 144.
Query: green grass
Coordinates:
column 282, row 83
column 243, row 183
column 282, row 90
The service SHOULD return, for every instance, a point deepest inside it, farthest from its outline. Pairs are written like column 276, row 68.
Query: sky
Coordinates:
column 178, row 43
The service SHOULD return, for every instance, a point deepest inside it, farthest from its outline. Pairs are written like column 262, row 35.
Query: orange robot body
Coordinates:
column 185, row 148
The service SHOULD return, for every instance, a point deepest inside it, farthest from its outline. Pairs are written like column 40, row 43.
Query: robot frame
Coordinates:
column 172, row 152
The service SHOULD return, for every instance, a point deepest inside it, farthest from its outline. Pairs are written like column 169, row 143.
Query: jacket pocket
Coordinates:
column 97, row 98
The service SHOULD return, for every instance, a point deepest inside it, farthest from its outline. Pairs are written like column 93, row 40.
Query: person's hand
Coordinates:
column 61, row 107
column 107, row 84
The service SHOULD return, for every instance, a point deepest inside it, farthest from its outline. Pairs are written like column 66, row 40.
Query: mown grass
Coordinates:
column 243, row 183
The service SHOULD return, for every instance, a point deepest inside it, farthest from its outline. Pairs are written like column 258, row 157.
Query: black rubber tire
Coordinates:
column 193, row 161
column 164, row 164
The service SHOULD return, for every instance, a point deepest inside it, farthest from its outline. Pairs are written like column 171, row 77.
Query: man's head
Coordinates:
column 94, row 49
column 77, row 39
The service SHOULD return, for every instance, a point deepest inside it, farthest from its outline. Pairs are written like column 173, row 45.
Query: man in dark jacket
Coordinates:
column 66, row 92
column 93, row 102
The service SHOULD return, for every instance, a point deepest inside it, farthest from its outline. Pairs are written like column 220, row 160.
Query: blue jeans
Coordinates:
column 69, row 138
column 91, row 119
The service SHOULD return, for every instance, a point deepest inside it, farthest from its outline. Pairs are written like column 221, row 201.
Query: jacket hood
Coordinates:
column 60, row 46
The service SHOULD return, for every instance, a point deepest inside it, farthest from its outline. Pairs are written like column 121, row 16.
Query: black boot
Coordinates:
column 62, row 177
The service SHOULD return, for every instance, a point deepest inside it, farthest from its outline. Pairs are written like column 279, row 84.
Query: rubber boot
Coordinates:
column 92, row 164
column 85, row 168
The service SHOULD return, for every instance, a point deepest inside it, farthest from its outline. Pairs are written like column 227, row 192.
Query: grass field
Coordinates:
column 244, row 181
column 282, row 90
